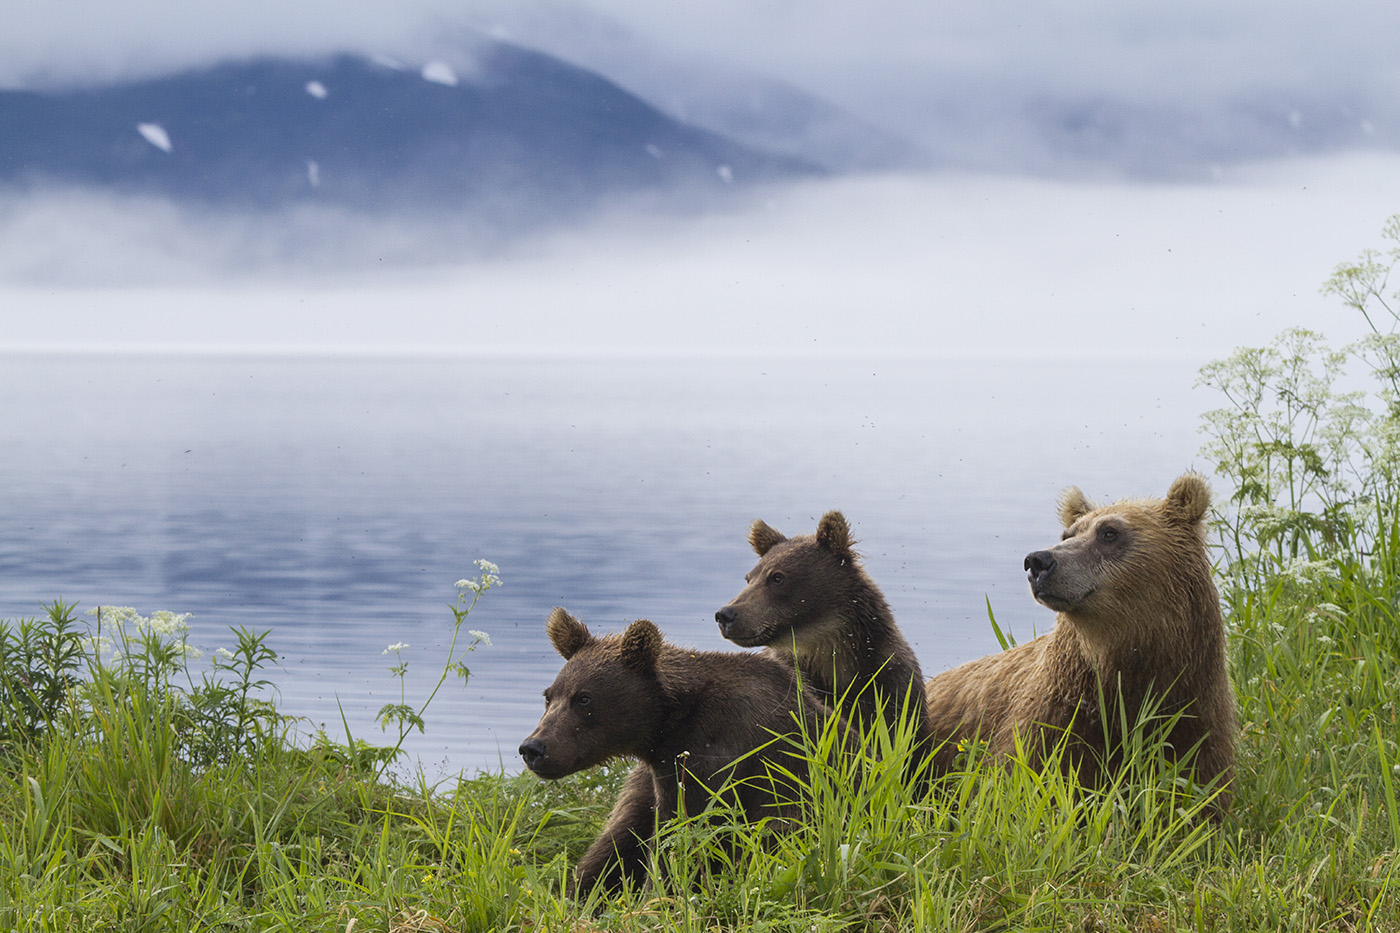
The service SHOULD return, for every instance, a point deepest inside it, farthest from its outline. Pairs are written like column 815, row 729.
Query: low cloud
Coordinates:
column 902, row 64
column 75, row 238
column 952, row 265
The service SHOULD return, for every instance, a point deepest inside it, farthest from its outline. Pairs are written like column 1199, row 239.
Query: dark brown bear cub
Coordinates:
column 1138, row 623
column 811, row 604
column 685, row 716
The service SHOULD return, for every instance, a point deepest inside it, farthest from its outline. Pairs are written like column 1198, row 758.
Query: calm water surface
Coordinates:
column 336, row 501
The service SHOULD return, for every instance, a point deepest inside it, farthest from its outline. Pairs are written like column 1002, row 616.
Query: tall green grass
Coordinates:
column 136, row 796
column 115, row 819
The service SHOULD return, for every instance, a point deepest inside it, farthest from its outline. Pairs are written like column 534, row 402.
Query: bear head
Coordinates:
column 795, row 591
column 1116, row 564
column 603, row 702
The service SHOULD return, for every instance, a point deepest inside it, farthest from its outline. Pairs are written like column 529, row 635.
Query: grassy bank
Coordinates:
column 137, row 796
column 129, row 810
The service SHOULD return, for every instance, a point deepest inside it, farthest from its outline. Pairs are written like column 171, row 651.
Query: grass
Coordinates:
column 117, row 818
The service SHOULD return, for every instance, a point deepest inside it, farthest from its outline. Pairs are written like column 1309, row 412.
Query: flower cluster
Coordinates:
column 124, row 625
column 490, row 576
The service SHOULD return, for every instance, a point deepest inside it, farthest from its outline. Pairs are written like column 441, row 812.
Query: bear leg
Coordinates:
column 620, row 854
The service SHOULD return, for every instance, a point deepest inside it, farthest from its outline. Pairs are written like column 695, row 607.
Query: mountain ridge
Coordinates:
column 519, row 138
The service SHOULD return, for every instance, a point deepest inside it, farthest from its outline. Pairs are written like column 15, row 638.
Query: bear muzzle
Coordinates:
column 739, row 631
column 726, row 618
column 1057, row 586
column 1039, row 566
column 1045, row 586
column 533, row 752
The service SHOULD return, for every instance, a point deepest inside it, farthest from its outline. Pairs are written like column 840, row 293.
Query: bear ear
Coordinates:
column 1073, row 505
column 1189, row 498
column 567, row 633
column 641, row 644
column 763, row 536
column 834, row 534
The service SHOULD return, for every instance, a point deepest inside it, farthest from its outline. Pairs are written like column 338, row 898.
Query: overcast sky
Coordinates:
column 885, row 59
column 1230, row 262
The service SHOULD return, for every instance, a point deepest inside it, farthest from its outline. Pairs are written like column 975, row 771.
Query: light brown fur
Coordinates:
column 1138, row 618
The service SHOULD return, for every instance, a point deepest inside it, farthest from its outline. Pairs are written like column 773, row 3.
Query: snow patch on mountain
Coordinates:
column 439, row 72
column 156, row 135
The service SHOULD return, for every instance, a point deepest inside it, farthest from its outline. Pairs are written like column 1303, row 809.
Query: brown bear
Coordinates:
column 693, row 720
column 1138, row 623
column 810, row 603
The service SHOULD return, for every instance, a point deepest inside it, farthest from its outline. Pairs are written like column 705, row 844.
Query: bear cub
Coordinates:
column 1138, row 624
column 809, row 602
column 686, row 717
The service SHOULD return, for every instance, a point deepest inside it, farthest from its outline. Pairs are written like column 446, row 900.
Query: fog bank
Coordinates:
column 924, row 265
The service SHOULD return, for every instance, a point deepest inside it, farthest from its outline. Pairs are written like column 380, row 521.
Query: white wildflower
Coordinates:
column 223, row 654
column 396, row 647
column 489, row 574
column 1306, row 571
column 116, row 617
column 127, row 623
column 163, row 622
column 469, row 585
column 479, row 636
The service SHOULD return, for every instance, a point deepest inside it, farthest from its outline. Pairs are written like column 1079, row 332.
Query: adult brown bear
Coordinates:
column 1138, row 624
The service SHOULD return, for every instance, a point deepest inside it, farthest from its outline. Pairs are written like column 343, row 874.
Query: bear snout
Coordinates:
column 1039, row 566
column 532, row 751
column 740, row 629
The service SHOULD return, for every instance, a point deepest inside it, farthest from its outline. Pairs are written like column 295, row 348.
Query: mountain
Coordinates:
column 503, row 132
column 719, row 95
column 1172, row 142
column 976, row 108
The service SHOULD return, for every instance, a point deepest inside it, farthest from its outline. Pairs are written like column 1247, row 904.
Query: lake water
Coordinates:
column 336, row 501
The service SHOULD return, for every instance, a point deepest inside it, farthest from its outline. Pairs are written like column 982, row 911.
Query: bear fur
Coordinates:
column 809, row 602
column 1138, row 621
column 685, row 716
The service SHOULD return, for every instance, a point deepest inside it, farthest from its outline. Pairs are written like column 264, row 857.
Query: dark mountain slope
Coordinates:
column 523, row 136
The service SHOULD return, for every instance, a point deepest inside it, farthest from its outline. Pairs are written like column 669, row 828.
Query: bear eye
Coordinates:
column 583, row 699
column 776, row 577
column 1108, row 534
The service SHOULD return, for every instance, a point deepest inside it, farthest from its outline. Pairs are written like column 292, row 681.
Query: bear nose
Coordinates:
column 532, row 750
column 725, row 617
column 1039, row 566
